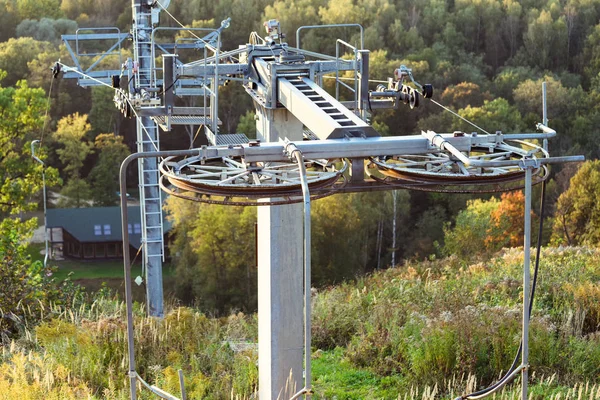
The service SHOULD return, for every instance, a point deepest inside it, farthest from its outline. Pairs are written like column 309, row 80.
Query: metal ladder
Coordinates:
column 148, row 140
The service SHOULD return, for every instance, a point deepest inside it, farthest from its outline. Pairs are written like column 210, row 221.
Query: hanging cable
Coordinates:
column 459, row 116
column 510, row 375
column 430, row 99
column 84, row 75
column 47, row 110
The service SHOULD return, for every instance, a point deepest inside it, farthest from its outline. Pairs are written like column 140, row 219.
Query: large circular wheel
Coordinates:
column 442, row 169
column 232, row 181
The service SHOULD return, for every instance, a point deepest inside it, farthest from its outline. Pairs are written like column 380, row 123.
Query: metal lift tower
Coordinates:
column 312, row 144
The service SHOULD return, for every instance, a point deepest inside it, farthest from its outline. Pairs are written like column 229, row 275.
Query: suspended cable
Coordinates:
column 433, row 101
column 47, row 110
column 213, row 49
column 126, row 99
column 459, row 116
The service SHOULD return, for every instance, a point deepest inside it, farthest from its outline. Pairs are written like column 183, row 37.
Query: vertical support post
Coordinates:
column 526, row 282
column 363, row 86
column 127, row 274
column 280, row 286
column 147, row 141
column 544, row 105
column 544, row 113
column 168, row 82
column 394, row 198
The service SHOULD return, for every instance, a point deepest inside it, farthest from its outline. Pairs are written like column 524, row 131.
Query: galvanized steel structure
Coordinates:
column 312, row 144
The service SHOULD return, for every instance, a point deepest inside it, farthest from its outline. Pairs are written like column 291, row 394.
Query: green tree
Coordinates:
column 31, row 9
column 577, row 217
column 15, row 54
column 8, row 19
column 494, row 115
column 70, row 134
column 546, row 41
column 467, row 238
column 22, row 282
column 215, row 259
column 247, row 124
column 46, row 28
column 104, row 116
column 22, row 110
column 105, row 174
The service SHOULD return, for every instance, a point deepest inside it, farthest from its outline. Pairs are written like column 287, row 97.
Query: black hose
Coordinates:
column 533, row 285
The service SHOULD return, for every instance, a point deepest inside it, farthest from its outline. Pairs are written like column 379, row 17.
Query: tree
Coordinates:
column 247, row 124
column 46, row 28
column 507, row 222
column 34, row 8
column 22, row 110
column 495, row 115
column 22, row 282
column 467, row 238
column 8, row 19
column 104, row 116
column 105, row 174
column 70, row 133
column 577, row 217
column 545, row 41
column 215, row 259
column 15, row 54
column 464, row 94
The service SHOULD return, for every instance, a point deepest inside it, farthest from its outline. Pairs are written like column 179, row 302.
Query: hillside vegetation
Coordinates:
column 438, row 326
column 420, row 329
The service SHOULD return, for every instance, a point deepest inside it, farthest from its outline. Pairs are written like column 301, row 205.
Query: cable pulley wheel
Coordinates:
column 441, row 169
column 232, row 179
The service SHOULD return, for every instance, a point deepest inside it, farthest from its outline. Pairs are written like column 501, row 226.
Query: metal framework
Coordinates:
column 341, row 152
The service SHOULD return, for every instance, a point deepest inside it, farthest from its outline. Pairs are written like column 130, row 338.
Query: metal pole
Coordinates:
column 526, row 281
column 394, row 196
column 544, row 105
column 307, row 271
column 127, row 257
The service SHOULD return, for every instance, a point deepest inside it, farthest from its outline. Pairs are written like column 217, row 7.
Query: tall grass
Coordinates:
column 421, row 331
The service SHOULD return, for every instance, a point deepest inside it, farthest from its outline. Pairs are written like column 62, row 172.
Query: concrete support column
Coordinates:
column 280, row 278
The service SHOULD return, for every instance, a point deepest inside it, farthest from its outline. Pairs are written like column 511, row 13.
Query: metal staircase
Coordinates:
column 320, row 112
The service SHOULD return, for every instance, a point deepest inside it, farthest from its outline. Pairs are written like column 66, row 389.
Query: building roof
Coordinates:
column 98, row 224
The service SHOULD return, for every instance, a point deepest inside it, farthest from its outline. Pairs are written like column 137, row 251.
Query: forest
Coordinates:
column 486, row 60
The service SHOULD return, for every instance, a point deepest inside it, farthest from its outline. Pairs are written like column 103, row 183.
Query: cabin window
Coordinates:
column 98, row 230
column 106, row 229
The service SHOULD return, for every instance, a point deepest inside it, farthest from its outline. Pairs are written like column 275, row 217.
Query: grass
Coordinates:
column 420, row 331
column 95, row 274
column 335, row 377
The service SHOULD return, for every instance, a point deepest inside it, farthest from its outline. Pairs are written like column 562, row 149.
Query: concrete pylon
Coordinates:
column 280, row 278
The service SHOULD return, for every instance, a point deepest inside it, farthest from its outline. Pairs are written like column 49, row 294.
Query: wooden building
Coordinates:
column 93, row 232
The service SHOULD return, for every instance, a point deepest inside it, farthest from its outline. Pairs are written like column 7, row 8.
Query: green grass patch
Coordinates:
column 336, row 378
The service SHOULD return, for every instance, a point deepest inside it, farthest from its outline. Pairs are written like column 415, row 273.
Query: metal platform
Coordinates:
column 232, row 139
column 165, row 121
